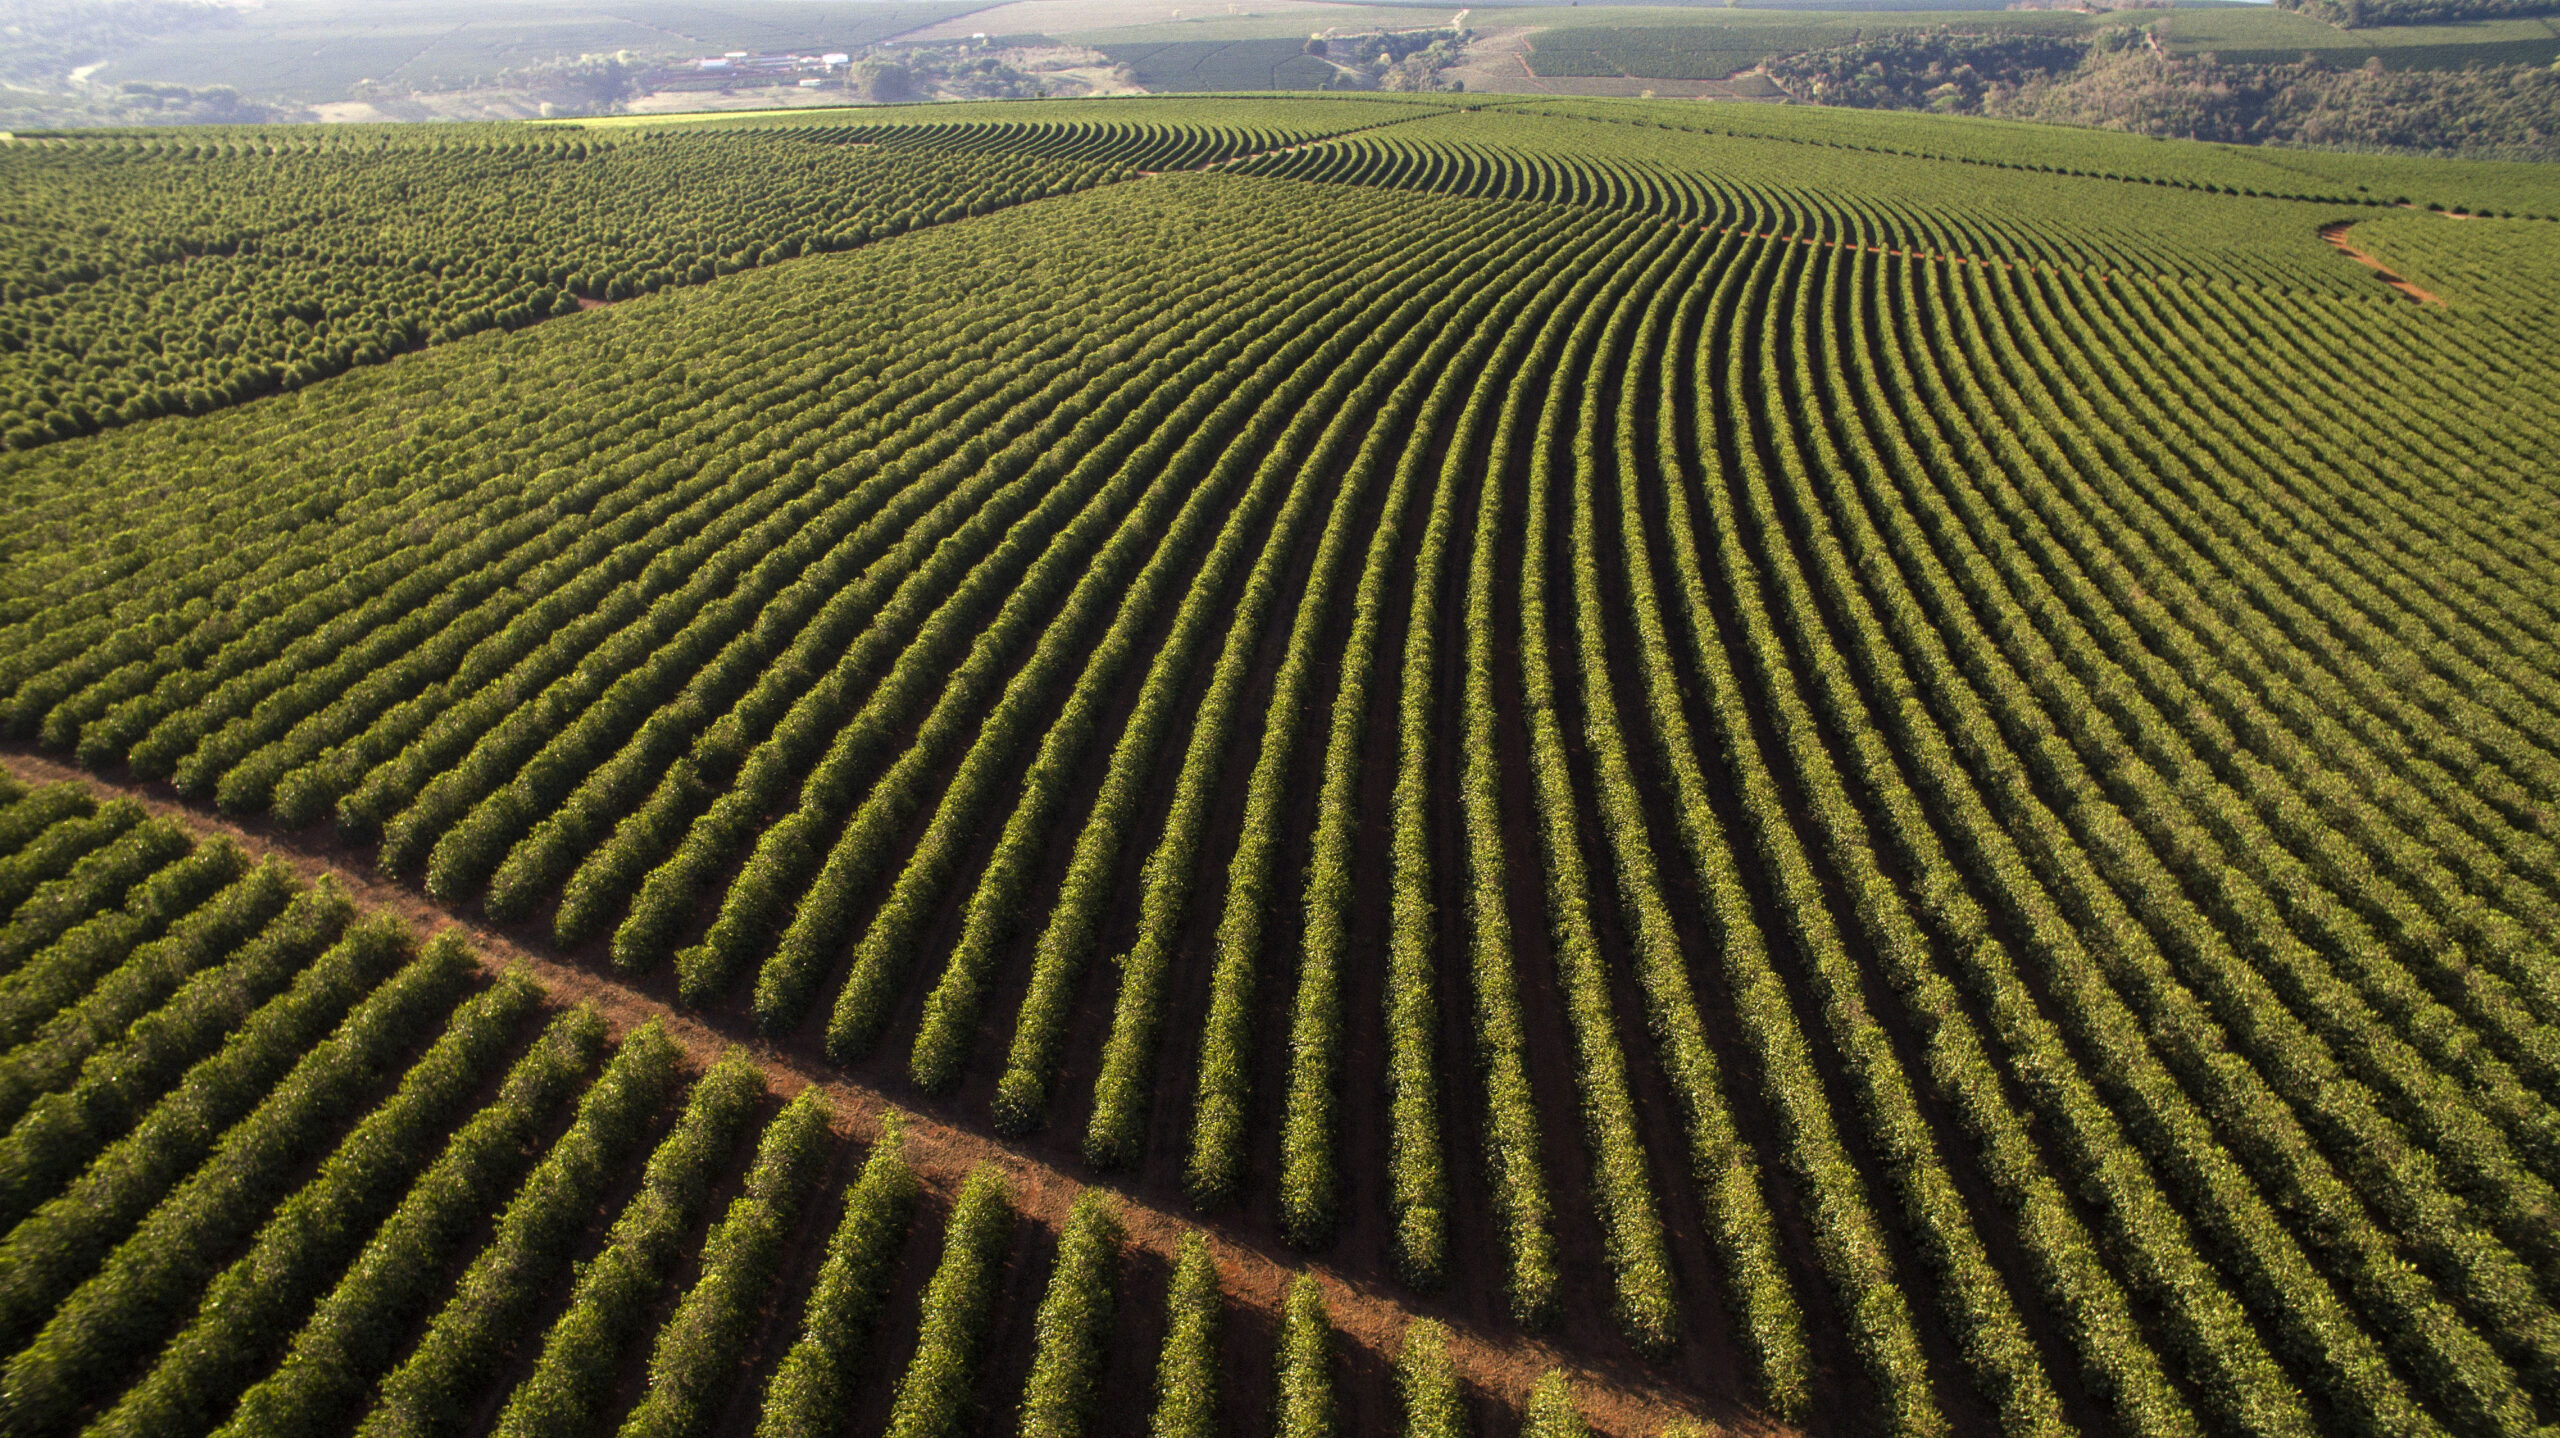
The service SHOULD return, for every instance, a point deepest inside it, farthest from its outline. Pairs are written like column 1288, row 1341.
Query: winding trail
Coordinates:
column 944, row 1143
column 2336, row 234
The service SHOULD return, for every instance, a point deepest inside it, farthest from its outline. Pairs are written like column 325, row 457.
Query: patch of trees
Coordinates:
column 2117, row 82
column 1944, row 70
column 2493, row 109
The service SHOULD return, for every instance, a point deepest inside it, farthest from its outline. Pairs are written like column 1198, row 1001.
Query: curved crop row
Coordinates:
column 808, row 1393
column 936, row 1396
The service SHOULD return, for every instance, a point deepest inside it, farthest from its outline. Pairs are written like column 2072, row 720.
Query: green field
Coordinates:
column 1220, row 65
column 1660, row 43
column 1524, row 766
column 1703, row 52
column 1293, row 25
column 2270, row 36
column 1655, row 45
column 321, row 52
column 2508, row 187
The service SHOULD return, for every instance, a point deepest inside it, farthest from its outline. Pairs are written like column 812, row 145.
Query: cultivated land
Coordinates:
column 1467, row 762
column 1656, row 42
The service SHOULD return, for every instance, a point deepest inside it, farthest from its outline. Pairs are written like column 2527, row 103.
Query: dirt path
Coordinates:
column 2336, row 234
column 944, row 1146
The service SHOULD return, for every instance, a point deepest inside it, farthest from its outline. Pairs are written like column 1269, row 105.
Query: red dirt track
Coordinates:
column 944, row 1146
column 2336, row 234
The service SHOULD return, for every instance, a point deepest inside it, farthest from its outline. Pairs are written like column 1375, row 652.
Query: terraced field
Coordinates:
column 1503, row 762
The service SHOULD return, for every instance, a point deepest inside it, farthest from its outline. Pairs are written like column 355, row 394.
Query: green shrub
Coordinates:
column 431, row 1394
column 239, row 1127
column 809, row 1393
column 127, row 1080
column 1073, row 1328
column 1305, row 1362
column 574, row 1375
column 251, row 1309
column 1187, row 1370
column 699, row 1350
column 1552, row 1412
column 357, row 1330
column 936, row 1396
column 1427, row 1380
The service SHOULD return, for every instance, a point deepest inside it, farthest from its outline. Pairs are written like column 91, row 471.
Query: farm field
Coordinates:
column 1215, row 65
column 2270, row 36
column 1468, row 766
column 1665, row 43
column 326, row 52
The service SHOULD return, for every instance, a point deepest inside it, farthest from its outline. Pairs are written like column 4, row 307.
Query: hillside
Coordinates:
column 1474, row 764
column 2469, row 78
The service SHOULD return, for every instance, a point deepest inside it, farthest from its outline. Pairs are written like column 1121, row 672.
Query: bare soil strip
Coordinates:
column 1618, row 1399
column 2336, row 234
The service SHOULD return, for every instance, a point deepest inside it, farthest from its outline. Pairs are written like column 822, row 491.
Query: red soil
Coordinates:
column 2336, row 234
